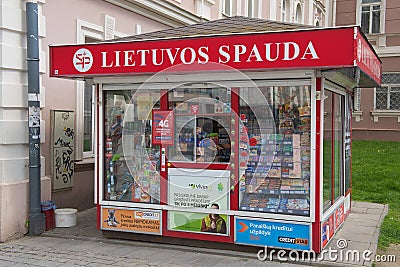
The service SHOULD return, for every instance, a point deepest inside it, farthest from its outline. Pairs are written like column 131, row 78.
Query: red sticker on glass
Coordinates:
column 253, row 141
column 243, row 154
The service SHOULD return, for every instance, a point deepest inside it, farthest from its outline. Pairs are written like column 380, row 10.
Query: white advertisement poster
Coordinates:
column 196, row 189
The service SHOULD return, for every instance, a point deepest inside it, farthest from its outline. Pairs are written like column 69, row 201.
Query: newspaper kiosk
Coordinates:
column 235, row 131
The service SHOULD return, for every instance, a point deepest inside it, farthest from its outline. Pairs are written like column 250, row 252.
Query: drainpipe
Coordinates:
column 37, row 223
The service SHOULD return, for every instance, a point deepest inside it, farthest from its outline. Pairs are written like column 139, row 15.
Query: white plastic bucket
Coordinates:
column 65, row 217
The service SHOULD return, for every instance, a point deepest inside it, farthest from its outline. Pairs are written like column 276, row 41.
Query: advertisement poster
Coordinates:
column 325, row 234
column 331, row 227
column 144, row 106
column 163, row 128
column 131, row 220
column 272, row 234
column 339, row 216
column 192, row 191
column 198, row 222
column 328, row 229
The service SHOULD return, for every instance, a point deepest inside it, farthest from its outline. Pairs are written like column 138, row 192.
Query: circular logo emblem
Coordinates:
column 83, row 60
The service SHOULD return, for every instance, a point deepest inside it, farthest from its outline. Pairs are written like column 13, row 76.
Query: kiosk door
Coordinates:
column 199, row 160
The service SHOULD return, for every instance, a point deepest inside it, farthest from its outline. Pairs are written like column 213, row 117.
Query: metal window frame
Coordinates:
column 389, row 90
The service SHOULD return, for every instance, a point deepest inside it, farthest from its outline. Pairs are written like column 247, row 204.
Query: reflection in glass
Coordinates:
column 277, row 125
column 327, row 149
column 132, row 164
column 202, row 128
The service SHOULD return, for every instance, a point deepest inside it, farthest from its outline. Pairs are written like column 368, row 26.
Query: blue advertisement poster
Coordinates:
column 272, row 234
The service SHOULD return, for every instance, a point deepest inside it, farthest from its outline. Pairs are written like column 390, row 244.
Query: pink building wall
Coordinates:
column 369, row 124
column 60, row 94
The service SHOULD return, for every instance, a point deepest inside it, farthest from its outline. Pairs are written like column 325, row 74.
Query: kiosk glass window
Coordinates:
column 333, row 147
column 338, row 145
column 202, row 125
column 131, row 162
column 274, row 149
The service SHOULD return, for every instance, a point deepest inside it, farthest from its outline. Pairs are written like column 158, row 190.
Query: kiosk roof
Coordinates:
column 231, row 25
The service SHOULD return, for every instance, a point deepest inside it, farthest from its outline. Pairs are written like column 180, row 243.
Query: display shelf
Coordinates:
column 134, row 176
column 278, row 165
column 283, row 211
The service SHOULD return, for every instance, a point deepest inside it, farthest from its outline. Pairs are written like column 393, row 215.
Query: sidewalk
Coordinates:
column 84, row 245
column 360, row 231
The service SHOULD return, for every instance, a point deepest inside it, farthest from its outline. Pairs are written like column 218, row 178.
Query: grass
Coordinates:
column 376, row 178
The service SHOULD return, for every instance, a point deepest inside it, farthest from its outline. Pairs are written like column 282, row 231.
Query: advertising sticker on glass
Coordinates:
column 163, row 128
column 198, row 192
column 131, row 220
column 206, row 223
column 272, row 234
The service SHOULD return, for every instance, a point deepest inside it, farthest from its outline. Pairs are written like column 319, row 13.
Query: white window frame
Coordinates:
column 382, row 16
column 285, row 11
column 86, row 29
column 223, row 9
column 255, row 12
column 295, row 19
column 370, row 12
column 250, row 13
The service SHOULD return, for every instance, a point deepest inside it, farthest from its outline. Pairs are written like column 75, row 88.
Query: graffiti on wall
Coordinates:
column 62, row 148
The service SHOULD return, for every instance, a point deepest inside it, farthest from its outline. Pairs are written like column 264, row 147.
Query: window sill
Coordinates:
column 86, row 164
column 385, row 114
column 357, row 115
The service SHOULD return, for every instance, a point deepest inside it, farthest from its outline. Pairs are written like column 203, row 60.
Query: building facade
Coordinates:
column 84, row 21
column 377, row 110
column 60, row 22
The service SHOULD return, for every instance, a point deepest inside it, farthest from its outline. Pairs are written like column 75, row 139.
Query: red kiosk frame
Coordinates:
column 279, row 103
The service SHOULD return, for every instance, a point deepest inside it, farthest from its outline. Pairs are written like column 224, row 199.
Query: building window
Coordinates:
column 371, row 16
column 250, row 8
column 285, row 10
column 88, row 111
column 85, row 94
column 318, row 14
column 227, row 7
column 88, row 118
column 357, row 99
column 299, row 14
column 387, row 97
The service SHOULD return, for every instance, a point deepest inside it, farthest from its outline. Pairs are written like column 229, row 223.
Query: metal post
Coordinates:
column 36, row 218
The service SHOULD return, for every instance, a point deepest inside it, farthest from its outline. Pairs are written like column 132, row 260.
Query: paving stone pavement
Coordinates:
column 53, row 251
column 84, row 245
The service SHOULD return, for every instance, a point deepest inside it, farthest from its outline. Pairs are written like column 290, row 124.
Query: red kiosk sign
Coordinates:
column 315, row 48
